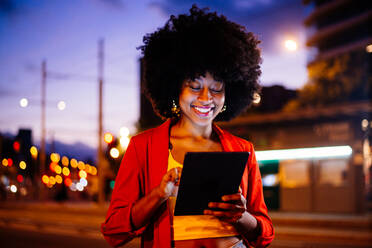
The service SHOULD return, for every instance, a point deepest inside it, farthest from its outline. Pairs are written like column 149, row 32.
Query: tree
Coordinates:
column 345, row 78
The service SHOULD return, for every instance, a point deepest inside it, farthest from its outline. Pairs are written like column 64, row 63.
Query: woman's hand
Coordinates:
column 169, row 183
column 231, row 209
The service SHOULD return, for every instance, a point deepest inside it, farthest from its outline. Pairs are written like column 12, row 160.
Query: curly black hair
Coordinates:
column 187, row 47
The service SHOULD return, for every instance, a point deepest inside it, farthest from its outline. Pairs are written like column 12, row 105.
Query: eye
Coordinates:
column 195, row 86
column 217, row 88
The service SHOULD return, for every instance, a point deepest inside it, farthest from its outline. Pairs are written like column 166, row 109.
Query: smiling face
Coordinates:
column 201, row 100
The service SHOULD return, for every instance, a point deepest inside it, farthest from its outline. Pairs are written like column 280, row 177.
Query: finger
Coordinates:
column 227, row 206
column 178, row 175
column 222, row 214
column 173, row 175
column 233, row 197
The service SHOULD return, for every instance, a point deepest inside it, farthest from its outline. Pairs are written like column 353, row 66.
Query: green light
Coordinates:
column 112, row 184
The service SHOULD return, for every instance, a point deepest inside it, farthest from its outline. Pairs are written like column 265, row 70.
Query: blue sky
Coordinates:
column 66, row 33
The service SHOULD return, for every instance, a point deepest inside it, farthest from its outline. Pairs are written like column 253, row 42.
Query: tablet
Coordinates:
column 206, row 177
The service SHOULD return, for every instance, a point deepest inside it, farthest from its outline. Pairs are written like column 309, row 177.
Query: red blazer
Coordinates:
column 142, row 168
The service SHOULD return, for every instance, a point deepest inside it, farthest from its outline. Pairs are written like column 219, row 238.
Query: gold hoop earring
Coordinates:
column 223, row 109
column 175, row 108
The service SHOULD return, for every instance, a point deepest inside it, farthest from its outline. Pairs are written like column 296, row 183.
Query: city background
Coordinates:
column 71, row 98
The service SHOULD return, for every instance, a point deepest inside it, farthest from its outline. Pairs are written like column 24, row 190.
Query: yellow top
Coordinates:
column 196, row 226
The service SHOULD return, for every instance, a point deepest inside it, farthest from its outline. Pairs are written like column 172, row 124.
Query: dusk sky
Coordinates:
column 66, row 33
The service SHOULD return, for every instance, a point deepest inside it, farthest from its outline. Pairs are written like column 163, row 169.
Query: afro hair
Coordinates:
column 190, row 45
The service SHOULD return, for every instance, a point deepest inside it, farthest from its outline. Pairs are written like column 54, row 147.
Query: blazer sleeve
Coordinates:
column 256, row 204
column 117, row 228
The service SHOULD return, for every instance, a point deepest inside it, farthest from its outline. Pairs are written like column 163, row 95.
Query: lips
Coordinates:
column 202, row 110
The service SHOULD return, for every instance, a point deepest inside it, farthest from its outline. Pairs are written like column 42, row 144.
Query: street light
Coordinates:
column 61, row 105
column 290, row 45
column 23, row 102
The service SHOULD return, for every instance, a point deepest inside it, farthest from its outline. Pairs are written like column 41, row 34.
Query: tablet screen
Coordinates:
column 206, row 177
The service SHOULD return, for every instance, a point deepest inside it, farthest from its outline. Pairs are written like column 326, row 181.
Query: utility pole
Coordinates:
column 43, row 129
column 100, row 159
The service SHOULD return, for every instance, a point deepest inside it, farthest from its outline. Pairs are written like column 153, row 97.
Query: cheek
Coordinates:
column 220, row 100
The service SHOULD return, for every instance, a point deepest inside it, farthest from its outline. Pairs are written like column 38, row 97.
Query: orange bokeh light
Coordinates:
column 45, row 179
column 66, row 171
column 58, row 169
column 108, row 137
column 59, row 179
column 52, row 166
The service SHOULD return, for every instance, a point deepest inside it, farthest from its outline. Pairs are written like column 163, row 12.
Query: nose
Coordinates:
column 205, row 95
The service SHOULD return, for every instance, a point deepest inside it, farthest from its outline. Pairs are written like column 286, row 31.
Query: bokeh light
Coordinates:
column 61, row 105
column 55, row 157
column 108, row 138
column 124, row 132
column 369, row 48
column 256, row 98
column 52, row 166
column 114, row 152
column 82, row 174
column 23, row 102
column 81, row 165
column 73, row 163
column 68, row 182
column 79, row 187
column 16, row 146
column 93, row 171
column 58, row 169
column 59, row 179
column 124, row 142
column 52, row 180
column 83, row 182
column 4, row 162
column 22, row 165
column 13, row 188
column 290, row 45
column 33, row 151
column 19, row 178
column 66, row 171
column 45, row 179
column 65, row 161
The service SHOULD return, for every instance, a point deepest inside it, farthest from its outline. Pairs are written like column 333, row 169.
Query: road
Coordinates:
column 73, row 225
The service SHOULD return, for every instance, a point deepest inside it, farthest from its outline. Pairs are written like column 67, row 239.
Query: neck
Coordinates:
column 186, row 128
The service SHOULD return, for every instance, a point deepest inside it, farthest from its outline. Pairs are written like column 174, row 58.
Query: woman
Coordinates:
column 198, row 68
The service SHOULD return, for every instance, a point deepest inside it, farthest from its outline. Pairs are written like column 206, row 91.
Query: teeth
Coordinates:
column 203, row 110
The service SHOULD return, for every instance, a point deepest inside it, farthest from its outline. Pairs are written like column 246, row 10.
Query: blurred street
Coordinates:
column 77, row 225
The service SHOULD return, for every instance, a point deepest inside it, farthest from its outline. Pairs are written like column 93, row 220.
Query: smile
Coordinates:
column 203, row 110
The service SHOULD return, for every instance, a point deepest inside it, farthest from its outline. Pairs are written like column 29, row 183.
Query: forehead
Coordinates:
column 205, row 79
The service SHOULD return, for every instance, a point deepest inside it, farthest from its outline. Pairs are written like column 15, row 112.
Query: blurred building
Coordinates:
column 337, row 113
column 315, row 183
column 341, row 36
column 338, row 27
